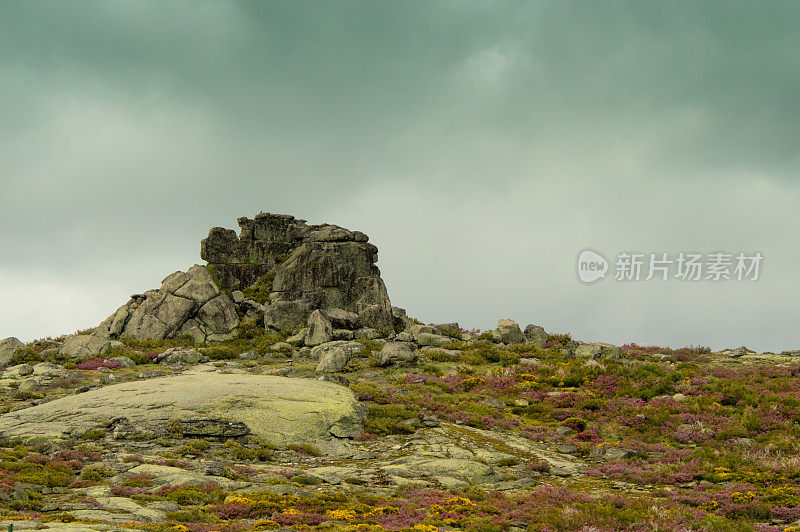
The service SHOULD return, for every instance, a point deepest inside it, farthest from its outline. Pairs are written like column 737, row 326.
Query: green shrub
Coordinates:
column 308, row 480
column 189, row 494
column 575, row 423
column 305, row 448
column 240, row 452
column 450, row 331
column 261, row 289
column 385, row 419
column 93, row 434
column 50, row 475
column 96, row 473
column 565, row 340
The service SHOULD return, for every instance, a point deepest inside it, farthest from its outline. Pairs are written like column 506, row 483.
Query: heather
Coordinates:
column 653, row 438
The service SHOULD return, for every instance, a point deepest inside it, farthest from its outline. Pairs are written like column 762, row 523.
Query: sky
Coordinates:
column 482, row 146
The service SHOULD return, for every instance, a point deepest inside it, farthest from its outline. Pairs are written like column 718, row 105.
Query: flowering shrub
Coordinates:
column 99, row 363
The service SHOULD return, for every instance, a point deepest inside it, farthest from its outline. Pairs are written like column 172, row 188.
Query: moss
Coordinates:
column 387, row 419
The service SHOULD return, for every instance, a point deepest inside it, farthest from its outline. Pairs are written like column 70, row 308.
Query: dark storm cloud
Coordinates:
column 127, row 129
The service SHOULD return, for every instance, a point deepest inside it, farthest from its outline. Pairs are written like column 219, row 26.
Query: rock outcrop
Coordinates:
column 304, row 268
column 188, row 303
column 282, row 410
column 8, row 347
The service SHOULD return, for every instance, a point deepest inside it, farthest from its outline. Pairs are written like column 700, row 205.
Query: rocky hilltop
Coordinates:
column 291, row 269
column 276, row 388
column 310, row 266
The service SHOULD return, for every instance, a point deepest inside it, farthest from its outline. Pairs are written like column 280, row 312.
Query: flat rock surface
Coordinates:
column 280, row 409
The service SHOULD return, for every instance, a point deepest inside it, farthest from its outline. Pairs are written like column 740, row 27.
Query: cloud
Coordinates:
column 481, row 145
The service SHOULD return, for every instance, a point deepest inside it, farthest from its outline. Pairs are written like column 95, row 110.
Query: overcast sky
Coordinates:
column 481, row 145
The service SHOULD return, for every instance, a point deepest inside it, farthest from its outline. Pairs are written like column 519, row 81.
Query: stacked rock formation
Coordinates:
column 310, row 267
column 298, row 268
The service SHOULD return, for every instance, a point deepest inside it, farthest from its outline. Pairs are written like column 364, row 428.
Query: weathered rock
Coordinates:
column 467, row 471
column 278, row 409
column 123, row 361
column 179, row 356
column 320, row 330
column 8, row 347
column 342, row 334
column 84, row 345
column 298, row 339
column 333, row 357
column 342, row 319
column 286, row 315
column 188, row 303
column 174, row 476
column 614, row 453
column 435, row 340
column 596, row 350
column 404, row 336
column 366, row 334
column 211, row 428
column 510, row 332
column 738, row 352
column 417, row 329
column 323, row 266
column 534, row 334
column 398, row 354
column 219, row 317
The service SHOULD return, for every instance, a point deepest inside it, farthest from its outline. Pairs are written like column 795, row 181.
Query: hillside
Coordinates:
column 276, row 388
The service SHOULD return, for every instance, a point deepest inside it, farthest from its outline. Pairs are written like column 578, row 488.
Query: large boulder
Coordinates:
column 320, row 329
column 8, row 347
column 188, row 303
column 596, row 350
column 398, row 354
column 279, row 409
column 510, row 332
column 286, row 315
column 179, row 356
column 333, row 357
column 534, row 334
column 84, row 346
column 322, row 266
